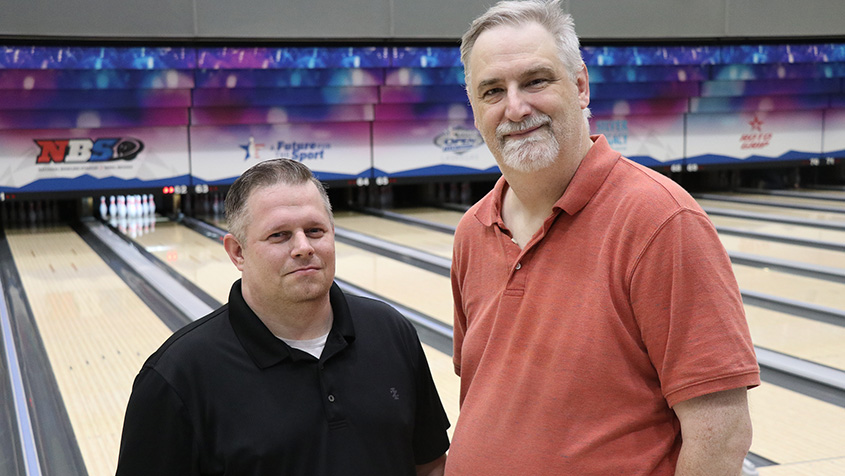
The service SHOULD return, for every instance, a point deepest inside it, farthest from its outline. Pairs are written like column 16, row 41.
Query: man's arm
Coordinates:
column 716, row 433
column 157, row 437
column 435, row 468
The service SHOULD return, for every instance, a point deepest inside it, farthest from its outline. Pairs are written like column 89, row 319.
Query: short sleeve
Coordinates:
column 157, row 436
column 689, row 309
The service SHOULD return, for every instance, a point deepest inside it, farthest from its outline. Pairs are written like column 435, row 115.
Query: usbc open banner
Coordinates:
column 333, row 151
column 74, row 159
column 408, row 149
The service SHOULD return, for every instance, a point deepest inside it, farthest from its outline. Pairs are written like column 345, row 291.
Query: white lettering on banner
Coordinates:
column 615, row 131
column 458, row 139
column 294, row 150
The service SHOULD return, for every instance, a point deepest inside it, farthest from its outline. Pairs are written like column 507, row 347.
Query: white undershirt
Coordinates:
column 312, row 346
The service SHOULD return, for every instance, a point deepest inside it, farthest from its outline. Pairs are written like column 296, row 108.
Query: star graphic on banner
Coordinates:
column 251, row 149
column 756, row 124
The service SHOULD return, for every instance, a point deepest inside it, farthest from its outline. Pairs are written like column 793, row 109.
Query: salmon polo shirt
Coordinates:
column 573, row 350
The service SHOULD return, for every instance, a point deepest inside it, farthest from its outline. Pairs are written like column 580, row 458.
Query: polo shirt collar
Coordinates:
column 591, row 173
column 266, row 349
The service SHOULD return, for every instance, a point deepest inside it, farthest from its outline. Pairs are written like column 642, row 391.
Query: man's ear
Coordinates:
column 582, row 80
column 234, row 250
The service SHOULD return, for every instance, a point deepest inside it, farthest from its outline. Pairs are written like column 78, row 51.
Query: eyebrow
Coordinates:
column 526, row 74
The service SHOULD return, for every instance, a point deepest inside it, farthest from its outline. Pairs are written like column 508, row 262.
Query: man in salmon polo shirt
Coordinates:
column 598, row 326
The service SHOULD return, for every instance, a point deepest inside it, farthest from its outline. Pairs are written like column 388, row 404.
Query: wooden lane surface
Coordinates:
column 194, row 256
column 435, row 215
column 806, row 339
column 801, row 288
column 838, row 218
column 797, row 431
column 206, row 264
column 782, row 229
column 430, row 241
column 785, row 251
column 96, row 331
column 777, row 199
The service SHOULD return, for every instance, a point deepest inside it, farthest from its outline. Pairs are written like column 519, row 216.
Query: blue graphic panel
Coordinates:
column 644, row 74
column 28, row 79
column 88, row 100
column 747, row 72
column 761, row 54
column 649, row 55
column 426, row 57
column 272, row 96
column 425, row 94
column 770, row 87
column 51, row 57
column 643, row 90
column 279, row 58
column 288, row 78
column 424, row 76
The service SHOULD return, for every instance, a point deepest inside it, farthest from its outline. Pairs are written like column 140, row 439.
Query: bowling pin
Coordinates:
column 104, row 209
column 152, row 205
column 131, row 209
column 215, row 206
column 121, row 206
column 112, row 207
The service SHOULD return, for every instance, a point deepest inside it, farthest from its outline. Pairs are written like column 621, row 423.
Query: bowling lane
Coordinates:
column 784, row 251
column 96, row 331
column 435, row 215
column 194, row 256
column 791, row 286
column 782, row 229
column 774, row 200
column 794, row 429
column 796, row 336
column 837, row 218
column 206, row 264
column 430, row 241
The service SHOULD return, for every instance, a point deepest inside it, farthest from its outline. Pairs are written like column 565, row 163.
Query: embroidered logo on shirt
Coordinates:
column 394, row 393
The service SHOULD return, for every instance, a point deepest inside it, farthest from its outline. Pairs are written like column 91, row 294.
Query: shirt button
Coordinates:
column 331, row 398
column 518, row 266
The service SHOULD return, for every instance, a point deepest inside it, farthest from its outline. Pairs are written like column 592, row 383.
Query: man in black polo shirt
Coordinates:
column 292, row 376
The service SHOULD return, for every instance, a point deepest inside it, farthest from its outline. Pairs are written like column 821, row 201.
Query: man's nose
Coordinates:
column 301, row 245
column 517, row 107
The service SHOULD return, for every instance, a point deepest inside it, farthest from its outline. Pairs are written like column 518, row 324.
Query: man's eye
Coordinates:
column 316, row 232
column 491, row 92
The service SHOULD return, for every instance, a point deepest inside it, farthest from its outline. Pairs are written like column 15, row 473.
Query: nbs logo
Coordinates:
column 86, row 150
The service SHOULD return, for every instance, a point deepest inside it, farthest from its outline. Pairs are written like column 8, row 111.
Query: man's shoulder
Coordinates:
column 192, row 340
column 378, row 316
column 641, row 186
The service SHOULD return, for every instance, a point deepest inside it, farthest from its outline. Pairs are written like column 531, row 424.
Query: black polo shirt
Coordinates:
column 224, row 396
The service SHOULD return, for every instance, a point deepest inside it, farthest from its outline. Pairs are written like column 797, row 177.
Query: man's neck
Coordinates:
column 530, row 197
column 297, row 321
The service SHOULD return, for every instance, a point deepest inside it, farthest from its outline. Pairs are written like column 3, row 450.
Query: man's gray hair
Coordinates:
column 547, row 13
